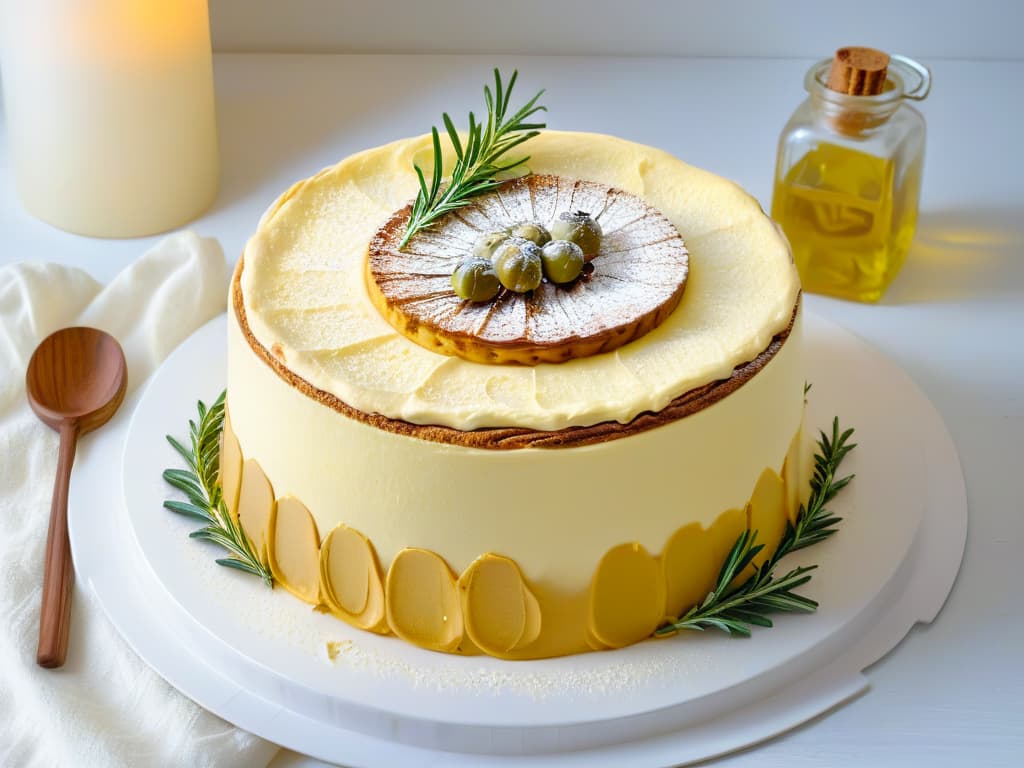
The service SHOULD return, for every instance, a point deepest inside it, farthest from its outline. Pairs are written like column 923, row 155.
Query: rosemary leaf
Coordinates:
column 734, row 610
column 476, row 161
column 201, row 484
column 186, row 483
column 212, row 534
column 230, row 562
column 181, row 449
column 189, row 510
column 751, row 617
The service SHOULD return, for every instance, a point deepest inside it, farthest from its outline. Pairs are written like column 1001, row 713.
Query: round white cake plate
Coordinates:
column 265, row 661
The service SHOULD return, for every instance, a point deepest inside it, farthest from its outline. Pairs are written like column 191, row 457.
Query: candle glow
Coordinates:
column 110, row 112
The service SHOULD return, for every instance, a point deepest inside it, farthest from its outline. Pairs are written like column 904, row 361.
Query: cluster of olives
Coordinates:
column 520, row 256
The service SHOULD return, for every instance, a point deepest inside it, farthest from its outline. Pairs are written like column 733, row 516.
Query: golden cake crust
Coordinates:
column 596, row 313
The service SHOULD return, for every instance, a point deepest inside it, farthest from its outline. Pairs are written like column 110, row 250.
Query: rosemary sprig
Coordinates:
column 734, row 610
column 201, row 485
column 476, row 166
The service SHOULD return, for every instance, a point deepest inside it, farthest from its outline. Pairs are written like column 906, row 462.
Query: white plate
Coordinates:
column 258, row 658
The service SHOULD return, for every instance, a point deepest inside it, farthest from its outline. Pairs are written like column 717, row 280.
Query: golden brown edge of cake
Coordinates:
column 509, row 438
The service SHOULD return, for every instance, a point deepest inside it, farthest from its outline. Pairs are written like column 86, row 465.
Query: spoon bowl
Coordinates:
column 75, row 382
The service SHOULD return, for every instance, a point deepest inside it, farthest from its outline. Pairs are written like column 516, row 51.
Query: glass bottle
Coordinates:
column 848, row 179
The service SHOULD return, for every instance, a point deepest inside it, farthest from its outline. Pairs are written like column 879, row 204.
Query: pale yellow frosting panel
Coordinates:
column 554, row 511
column 304, row 295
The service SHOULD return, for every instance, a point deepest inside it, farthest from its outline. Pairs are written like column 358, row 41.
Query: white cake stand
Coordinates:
column 264, row 661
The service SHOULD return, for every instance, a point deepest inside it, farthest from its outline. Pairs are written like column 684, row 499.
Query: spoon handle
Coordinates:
column 55, row 613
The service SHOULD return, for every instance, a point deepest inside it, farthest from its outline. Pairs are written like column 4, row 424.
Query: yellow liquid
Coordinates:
column 849, row 220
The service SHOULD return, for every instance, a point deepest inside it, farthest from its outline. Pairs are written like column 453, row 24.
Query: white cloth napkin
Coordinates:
column 104, row 707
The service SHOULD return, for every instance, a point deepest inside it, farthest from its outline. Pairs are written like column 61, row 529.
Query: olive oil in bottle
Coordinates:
column 848, row 175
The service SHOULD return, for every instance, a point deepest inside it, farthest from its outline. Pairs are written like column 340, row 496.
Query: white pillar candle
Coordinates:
column 110, row 112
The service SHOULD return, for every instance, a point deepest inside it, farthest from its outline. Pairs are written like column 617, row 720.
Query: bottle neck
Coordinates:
column 863, row 116
column 851, row 115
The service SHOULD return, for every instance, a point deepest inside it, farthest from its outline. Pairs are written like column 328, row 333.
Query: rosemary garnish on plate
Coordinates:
column 735, row 609
column 477, row 168
column 201, row 484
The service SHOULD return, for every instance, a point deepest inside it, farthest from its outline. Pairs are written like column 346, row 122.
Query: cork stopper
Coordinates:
column 858, row 71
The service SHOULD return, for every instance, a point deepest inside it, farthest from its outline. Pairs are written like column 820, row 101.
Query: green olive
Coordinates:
column 532, row 231
column 563, row 261
column 581, row 228
column 517, row 262
column 474, row 279
column 487, row 242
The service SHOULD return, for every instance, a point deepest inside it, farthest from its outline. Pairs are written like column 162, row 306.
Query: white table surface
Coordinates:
column 953, row 692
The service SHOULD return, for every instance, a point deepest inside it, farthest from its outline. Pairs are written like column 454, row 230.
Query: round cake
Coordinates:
column 546, row 473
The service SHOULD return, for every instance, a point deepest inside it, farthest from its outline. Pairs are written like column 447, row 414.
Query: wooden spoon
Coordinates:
column 75, row 382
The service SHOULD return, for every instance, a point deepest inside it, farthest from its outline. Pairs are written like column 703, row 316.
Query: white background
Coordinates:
column 988, row 29
column 953, row 693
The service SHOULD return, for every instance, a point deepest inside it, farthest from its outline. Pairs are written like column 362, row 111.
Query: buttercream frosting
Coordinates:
column 492, row 607
column 305, row 299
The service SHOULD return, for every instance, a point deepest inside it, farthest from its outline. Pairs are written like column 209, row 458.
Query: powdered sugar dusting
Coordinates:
column 641, row 267
column 616, row 673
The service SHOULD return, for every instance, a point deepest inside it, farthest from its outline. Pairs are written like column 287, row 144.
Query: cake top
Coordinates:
column 306, row 298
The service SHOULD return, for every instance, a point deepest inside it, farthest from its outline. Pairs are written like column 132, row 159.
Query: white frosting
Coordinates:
column 304, row 295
